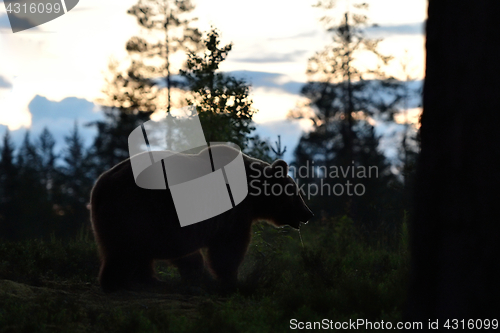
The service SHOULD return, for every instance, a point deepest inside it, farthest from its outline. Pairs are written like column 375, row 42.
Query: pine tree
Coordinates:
column 133, row 95
column 343, row 98
column 169, row 32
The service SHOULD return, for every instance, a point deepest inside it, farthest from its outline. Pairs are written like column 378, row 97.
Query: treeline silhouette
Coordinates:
column 44, row 192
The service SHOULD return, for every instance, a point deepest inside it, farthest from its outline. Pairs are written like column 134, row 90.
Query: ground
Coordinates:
column 339, row 274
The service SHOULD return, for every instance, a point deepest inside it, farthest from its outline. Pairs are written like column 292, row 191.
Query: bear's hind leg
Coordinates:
column 122, row 272
column 113, row 274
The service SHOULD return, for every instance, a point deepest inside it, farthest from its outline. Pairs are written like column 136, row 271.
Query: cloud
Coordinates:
column 417, row 28
column 308, row 34
column 269, row 80
column 59, row 118
column 283, row 83
column 289, row 57
column 4, row 84
column 257, row 79
column 43, row 109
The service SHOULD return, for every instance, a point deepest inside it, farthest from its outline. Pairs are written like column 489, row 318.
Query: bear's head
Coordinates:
column 277, row 196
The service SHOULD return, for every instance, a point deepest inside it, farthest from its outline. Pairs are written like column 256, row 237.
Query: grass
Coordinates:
column 338, row 274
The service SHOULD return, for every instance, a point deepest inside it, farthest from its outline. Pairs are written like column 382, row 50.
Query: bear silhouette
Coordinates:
column 134, row 227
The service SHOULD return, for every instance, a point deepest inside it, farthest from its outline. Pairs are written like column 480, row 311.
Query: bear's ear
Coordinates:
column 280, row 169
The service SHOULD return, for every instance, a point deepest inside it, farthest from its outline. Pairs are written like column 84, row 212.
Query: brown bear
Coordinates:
column 134, row 227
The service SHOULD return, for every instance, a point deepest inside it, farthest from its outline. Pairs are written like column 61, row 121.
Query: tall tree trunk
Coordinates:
column 456, row 229
column 350, row 103
column 167, row 78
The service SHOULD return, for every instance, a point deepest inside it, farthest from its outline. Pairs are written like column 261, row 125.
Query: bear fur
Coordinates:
column 134, row 227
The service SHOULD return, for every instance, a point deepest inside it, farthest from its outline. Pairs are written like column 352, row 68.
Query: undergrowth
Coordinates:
column 336, row 274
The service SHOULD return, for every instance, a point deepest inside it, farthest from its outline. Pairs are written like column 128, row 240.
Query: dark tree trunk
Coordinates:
column 456, row 229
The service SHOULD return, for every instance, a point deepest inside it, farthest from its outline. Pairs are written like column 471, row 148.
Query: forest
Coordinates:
column 383, row 228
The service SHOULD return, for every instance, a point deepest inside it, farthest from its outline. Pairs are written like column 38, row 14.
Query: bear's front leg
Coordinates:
column 225, row 257
column 191, row 267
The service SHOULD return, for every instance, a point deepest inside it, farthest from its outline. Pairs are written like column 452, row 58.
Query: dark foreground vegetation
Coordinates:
column 338, row 274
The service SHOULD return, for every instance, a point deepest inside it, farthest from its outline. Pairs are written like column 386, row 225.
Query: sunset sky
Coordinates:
column 64, row 61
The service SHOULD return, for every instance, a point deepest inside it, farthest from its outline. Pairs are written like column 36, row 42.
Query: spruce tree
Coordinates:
column 222, row 101
column 8, row 188
column 47, row 162
column 77, row 181
column 35, row 215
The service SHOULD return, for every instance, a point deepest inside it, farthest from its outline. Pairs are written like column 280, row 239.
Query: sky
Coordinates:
column 52, row 74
